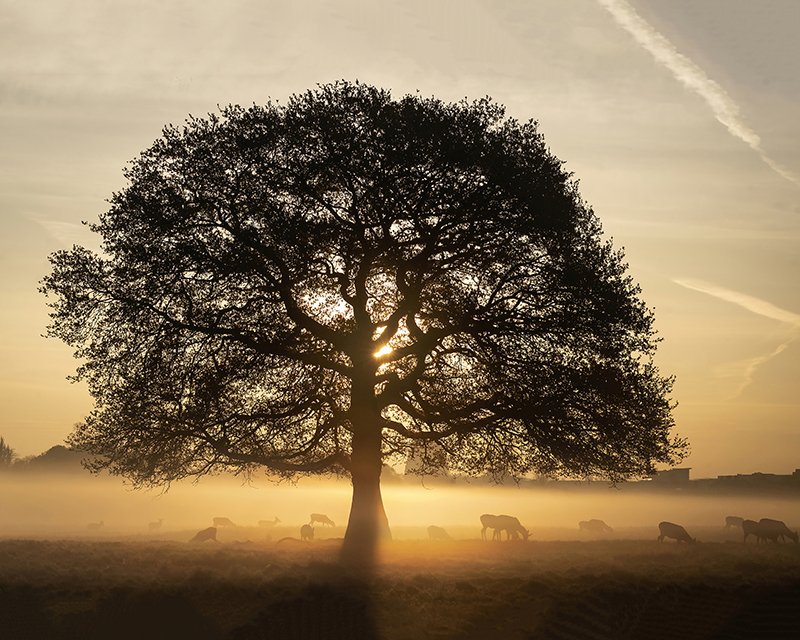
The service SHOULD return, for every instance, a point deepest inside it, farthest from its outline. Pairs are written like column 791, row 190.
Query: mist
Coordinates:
column 63, row 506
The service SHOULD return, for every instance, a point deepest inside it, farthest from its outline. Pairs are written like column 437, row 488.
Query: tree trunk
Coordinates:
column 368, row 525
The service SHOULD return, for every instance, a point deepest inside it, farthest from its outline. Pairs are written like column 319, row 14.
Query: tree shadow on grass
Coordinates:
column 134, row 615
column 24, row 614
column 330, row 610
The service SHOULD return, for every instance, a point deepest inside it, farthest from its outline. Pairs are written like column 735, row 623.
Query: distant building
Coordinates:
column 672, row 476
column 758, row 479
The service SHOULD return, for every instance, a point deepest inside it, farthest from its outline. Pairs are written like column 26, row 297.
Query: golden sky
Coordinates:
column 679, row 118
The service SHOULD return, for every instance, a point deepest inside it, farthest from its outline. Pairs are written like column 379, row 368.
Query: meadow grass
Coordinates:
column 610, row 588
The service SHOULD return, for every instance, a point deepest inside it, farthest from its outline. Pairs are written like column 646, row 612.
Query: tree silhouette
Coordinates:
column 7, row 454
column 321, row 285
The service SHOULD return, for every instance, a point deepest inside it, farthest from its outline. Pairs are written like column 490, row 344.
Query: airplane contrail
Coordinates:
column 750, row 366
column 747, row 368
column 724, row 108
column 751, row 303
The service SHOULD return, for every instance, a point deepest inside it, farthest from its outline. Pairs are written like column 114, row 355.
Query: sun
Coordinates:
column 384, row 350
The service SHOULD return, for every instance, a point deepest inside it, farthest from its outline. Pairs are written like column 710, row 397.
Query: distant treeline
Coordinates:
column 756, row 483
column 61, row 459
column 56, row 459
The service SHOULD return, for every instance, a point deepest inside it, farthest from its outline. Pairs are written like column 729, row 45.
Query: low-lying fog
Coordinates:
column 53, row 505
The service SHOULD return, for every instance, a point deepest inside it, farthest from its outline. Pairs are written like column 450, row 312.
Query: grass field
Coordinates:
column 626, row 587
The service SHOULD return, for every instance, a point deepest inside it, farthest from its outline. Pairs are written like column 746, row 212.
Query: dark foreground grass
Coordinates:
column 614, row 589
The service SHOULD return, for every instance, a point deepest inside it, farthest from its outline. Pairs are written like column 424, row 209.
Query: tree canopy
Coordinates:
column 7, row 454
column 320, row 285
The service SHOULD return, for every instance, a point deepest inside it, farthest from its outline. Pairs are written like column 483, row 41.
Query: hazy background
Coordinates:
column 679, row 119
column 63, row 506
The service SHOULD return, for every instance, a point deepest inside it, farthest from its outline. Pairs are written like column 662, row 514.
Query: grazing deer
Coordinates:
column 769, row 529
column 322, row 519
column 306, row 532
column 155, row 526
column 733, row 522
column 223, row 522
column 205, row 534
column 95, row 526
column 509, row 524
column 594, row 526
column 438, row 533
column 269, row 524
column 676, row 531
column 750, row 528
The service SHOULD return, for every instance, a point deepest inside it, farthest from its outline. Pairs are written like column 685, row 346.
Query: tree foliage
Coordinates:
column 7, row 454
column 260, row 258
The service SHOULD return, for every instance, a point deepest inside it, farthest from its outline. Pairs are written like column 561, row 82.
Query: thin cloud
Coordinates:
column 746, row 369
column 67, row 233
column 724, row 108
column 751, row 303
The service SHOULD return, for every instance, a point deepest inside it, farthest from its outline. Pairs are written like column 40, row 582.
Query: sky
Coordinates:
column 679, row 119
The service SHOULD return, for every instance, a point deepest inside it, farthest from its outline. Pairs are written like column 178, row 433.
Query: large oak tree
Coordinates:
column 317, row 286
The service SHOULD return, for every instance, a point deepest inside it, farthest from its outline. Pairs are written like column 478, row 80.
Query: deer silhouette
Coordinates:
column 269, row 523
column 509, row 524
column 205, row 534
column 769, row 529
column 438, row 533
column 223, row 522
column 676, row 531
column 322, row 519
column 750, row 528
column 594, row 526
